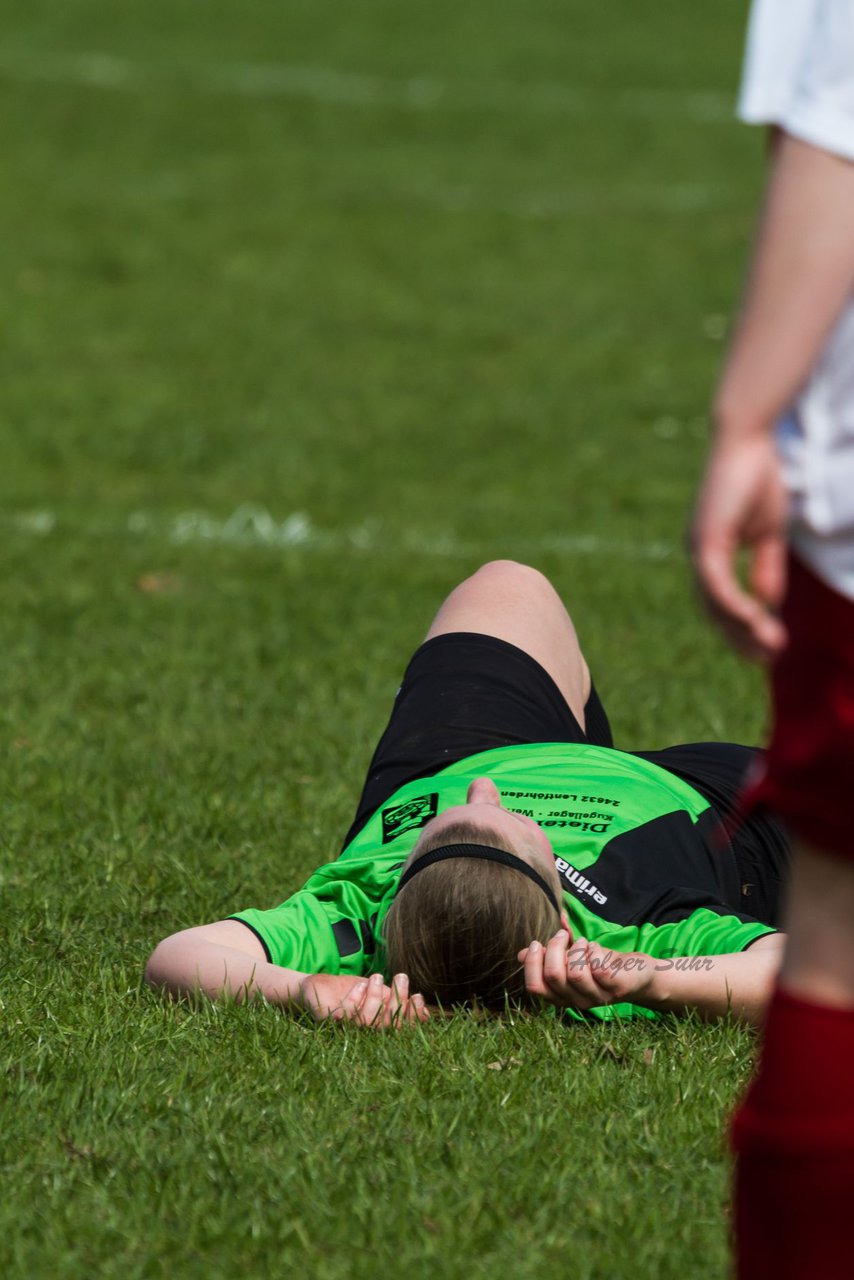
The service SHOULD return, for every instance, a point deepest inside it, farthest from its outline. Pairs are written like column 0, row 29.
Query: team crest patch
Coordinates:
column 406, row 817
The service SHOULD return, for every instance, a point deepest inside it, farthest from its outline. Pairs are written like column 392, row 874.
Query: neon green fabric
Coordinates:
column 596, row 804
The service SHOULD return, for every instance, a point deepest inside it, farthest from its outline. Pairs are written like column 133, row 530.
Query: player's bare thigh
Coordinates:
column 517, row 603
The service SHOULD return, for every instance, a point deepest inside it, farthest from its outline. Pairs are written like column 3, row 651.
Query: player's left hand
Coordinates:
column 367, row 1002
column 581, row 975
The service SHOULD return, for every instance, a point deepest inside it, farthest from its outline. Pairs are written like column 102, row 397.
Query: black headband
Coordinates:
column 484, row 851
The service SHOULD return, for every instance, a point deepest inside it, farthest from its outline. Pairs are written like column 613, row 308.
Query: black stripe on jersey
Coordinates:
column 369, row 945
column 346, row 937
column 349, row 941
column 663, row 871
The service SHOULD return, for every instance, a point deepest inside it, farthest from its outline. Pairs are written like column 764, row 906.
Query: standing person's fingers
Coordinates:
column 768, row 570
column 734, row 609
column 742, row 504
column 744, row 618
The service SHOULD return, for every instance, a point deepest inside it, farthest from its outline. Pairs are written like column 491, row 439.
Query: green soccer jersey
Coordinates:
column 636, row 849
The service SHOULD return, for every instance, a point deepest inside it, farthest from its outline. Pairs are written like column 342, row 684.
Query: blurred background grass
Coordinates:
column 306, row 310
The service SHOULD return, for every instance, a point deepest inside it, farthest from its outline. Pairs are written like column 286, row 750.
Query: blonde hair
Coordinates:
column 456, row 928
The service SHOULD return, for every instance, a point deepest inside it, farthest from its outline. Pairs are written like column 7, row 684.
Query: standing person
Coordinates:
column 789, row 372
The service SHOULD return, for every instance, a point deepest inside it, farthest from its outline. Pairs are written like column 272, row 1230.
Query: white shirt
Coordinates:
column 799, row 70
column 799, row 74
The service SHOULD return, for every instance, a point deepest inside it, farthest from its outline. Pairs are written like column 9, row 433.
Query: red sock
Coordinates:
column 794, row 1139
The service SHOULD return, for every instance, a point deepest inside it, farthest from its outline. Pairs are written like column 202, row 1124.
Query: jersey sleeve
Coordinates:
column 297, row 935
column 704, row 932
column 799, row 71
column 331, row 925
column 710, row 929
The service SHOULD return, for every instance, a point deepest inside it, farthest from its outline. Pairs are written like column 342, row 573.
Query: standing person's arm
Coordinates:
column 225, row 959
column 800, row 279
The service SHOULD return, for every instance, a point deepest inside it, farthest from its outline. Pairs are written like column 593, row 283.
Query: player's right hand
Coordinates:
column 583, row 975
column 742, row 504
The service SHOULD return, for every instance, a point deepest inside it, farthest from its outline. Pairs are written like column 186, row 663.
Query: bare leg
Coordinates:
column 795, row 1129
column 520, row 605
column 819, row 960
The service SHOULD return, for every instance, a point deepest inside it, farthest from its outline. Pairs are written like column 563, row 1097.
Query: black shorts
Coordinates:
column 463, row 693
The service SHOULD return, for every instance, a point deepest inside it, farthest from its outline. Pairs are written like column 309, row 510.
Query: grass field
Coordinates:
column 307, row 309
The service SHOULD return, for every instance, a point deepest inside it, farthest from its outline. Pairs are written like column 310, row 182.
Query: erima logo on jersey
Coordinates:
column 579, row 882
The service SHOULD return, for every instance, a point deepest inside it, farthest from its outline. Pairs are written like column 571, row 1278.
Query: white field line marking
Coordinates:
column 455, row 201
column 582, row 199
column 345, row 88
column 250, row 525
column 324, row 84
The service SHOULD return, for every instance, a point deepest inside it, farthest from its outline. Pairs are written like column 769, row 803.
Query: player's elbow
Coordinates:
column 165, row 966
column 156, row 972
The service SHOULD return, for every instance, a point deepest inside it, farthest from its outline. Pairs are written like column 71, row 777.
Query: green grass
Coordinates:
column 235, row 1142
column 405, row 287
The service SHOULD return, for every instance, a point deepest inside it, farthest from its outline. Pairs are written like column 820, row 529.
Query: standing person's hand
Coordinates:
column 742, row 504
column 800, row 281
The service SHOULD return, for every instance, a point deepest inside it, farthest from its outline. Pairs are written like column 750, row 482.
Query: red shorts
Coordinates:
column 808, row 775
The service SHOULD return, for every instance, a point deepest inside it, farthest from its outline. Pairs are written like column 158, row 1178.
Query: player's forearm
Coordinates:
column 190, row 965
column 801, row 276
column 714, row 986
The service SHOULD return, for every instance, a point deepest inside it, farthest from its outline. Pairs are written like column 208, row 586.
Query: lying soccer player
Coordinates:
column 504, row 850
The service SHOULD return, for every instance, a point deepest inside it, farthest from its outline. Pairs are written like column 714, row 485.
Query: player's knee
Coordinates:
column 513, row 574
